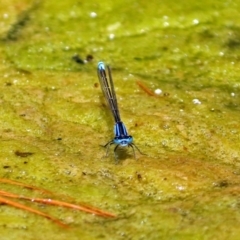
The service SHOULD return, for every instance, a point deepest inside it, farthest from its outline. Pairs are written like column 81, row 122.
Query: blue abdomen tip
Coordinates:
column 101, row 66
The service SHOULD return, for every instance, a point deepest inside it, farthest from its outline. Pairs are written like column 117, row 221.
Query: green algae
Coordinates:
column 187, row 186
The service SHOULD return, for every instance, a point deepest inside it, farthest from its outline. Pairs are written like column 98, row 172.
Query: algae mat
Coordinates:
column 54, row 119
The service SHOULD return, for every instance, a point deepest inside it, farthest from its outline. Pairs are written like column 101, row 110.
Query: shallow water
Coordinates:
column 187, row 186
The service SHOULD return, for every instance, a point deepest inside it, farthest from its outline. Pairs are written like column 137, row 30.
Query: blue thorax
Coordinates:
column 121, row 135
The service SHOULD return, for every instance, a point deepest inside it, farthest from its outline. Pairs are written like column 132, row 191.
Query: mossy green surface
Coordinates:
column 188, row 184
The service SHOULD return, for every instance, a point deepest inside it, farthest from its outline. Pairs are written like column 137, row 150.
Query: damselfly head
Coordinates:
column 123, row 140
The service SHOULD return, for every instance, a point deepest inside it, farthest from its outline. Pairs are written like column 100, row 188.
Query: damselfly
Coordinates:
column 122, row 138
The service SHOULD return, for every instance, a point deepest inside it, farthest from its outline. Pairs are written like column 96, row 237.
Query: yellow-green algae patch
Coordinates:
column 53, row 118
